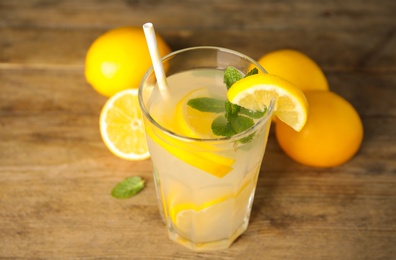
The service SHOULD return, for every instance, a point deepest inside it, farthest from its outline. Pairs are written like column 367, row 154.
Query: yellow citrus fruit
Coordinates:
column 255, row 93
column 118, row 59
column 332, row 135
column 121, row 126
column 192, row 122
column 296, row 67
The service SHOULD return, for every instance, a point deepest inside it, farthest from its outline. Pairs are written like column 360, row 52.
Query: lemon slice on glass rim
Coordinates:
column 255, row 93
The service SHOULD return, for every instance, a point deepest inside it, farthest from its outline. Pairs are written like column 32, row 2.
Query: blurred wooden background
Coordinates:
column 56, row 174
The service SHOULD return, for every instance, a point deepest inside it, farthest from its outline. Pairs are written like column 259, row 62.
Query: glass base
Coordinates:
column 207, row 246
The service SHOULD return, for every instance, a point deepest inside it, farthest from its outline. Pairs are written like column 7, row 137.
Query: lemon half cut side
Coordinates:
column 121, row 126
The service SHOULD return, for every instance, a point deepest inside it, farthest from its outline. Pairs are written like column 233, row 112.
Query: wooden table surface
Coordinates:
column 56, row 174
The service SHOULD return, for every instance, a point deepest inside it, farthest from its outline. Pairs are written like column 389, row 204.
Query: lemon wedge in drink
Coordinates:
column 256, row 91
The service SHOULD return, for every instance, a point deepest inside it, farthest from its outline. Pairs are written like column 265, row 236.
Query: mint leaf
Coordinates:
column 128, row 187
column 231, row 75
column 205, row 104
column 252, row 72
column 236, row 119
column 234, row 124
column 221, row 126
column 240, row 123
column 231, row 109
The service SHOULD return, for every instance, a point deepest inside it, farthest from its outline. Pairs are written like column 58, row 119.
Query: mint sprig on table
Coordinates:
column 128, row 187
column 236, row 119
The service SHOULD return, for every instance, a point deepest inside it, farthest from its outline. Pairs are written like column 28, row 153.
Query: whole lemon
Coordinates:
column 118, row 59
column 331, row 136
column 296, row 67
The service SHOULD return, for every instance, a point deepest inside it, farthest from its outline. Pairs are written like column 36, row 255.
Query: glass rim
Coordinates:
column 267, row 116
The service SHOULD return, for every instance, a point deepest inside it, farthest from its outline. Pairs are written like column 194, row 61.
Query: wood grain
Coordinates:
column 56, row 174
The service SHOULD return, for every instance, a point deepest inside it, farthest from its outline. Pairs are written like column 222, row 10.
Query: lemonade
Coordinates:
column 201, row 207
column 205, row 183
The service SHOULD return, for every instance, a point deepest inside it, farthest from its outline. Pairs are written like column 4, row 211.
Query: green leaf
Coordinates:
column 240, row 123
column 205, row 104
column 128, row 187
column 231, row 109
column 252, row 72
column 231, row 75
column 221, row 127
column 232, row 123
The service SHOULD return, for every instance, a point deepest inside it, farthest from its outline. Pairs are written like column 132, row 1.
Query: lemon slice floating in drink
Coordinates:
column 256, row 91
column 192, row 122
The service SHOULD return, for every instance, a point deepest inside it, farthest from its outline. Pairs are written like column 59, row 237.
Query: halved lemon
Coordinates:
column 121, row 126
column 255, row 93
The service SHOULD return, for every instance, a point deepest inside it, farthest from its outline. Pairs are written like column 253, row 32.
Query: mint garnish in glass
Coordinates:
column 236, row 118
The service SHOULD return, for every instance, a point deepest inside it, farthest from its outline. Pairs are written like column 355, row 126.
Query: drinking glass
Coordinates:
column 205, row 183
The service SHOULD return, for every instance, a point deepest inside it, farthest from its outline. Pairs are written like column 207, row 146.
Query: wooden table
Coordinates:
column 56, row 174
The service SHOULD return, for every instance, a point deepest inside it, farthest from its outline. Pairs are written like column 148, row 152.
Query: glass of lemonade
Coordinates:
column 205, row 183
